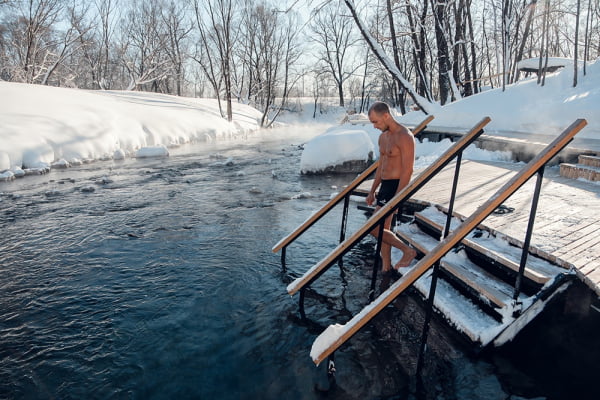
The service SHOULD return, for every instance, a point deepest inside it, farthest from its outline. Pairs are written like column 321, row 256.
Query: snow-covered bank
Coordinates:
column 539, row 112
column 527, row 107
column 348, row 143
column 41, row 125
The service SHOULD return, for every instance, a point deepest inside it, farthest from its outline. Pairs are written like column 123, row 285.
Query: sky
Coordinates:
column 43, row 125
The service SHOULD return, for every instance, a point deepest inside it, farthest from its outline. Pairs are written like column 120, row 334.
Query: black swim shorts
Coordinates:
column 387, row 190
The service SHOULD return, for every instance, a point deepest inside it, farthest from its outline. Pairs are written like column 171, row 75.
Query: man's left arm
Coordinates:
column 407, row 160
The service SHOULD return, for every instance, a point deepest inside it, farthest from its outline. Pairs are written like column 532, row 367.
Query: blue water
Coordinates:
column 161, row 284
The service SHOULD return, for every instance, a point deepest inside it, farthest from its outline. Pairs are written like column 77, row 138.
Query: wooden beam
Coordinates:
column 334, row 336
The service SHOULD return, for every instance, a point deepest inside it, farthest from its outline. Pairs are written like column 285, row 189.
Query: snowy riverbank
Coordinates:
column 42, row 125
column 524, row 110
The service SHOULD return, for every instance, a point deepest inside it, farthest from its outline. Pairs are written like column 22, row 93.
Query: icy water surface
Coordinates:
column 154, row 279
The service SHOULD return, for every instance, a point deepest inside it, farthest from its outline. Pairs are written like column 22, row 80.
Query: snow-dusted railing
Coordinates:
column 343, row 195
column 336, row 335
column 378, row 217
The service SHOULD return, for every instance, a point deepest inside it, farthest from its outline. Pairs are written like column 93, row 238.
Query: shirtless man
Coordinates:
column 396, row 161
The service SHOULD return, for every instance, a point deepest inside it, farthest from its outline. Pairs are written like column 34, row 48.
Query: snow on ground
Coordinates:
column 524, row 107
column 43, row 127
column 528, row 107
column 359, row 142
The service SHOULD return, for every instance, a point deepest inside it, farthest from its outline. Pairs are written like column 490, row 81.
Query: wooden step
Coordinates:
column 486, row 286
column 474, row 280
column 577, row 171
column 530, row 273
column 589, row 160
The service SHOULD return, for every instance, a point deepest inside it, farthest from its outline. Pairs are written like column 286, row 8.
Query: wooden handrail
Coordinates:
column 336, row 335
column 384, row 211
column 339, row 197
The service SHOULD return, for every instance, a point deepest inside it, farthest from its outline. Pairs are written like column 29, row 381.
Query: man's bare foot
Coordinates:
column 406, row 259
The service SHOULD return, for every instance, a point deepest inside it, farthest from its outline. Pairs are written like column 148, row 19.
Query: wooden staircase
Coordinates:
column 587, row 167
column 476, row 291
column 477, row 278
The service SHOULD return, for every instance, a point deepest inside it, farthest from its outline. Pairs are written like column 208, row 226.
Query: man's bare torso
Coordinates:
column 391, row 152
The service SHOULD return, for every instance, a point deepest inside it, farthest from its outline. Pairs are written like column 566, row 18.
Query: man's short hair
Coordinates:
column 379, row 107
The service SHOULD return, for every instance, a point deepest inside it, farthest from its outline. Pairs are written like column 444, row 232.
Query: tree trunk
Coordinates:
column 575, row 58
column 422, row 103
column 442, row 50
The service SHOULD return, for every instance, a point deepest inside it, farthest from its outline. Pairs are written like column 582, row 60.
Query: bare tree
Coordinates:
column 443, row 55
column 334, row 34
column 420, row 102
column 418, row 36
column 576, row 51
column 177, row 28
column 143, row 46
column 32, row 38
column 216, row 23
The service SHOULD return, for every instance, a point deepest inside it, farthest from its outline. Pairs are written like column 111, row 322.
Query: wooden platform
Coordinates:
column 567, row 222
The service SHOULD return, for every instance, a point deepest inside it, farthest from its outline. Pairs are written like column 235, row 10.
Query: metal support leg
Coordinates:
column 452, row 195
column 343, row 228
column 283, row 258
column 301, row 303
column 436, row 269
column 330, row 377
column 344, row 219
column 525, row 252
column 428, row 315
column 376, row 263
column 331, row 366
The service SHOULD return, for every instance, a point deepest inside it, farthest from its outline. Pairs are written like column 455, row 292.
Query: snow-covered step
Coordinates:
column 577, row 171
column 435, row 219
column 473, row 279
column 479, row 283
column 592, row 161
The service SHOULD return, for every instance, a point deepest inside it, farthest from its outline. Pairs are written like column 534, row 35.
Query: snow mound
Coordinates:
column 337, row 145
column 43, row 126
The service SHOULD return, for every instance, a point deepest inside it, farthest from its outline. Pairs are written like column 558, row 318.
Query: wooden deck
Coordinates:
column 567, row 220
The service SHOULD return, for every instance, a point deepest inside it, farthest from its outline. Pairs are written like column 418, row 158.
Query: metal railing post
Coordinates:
column 453, row 194
column 301, row 303
column 344, row 218
column 377, row 257
column 436, row 269
column 530, row 223
column 343, row 228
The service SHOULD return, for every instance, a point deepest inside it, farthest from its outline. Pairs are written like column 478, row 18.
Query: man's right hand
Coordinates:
column 370, row 199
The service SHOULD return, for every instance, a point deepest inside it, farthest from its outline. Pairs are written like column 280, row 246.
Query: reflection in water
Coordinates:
column 161, row 283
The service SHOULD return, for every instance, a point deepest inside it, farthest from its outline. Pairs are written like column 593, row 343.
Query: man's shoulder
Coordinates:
column 402, row 131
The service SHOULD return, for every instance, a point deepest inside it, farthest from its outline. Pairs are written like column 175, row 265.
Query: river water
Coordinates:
column 154, row 279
